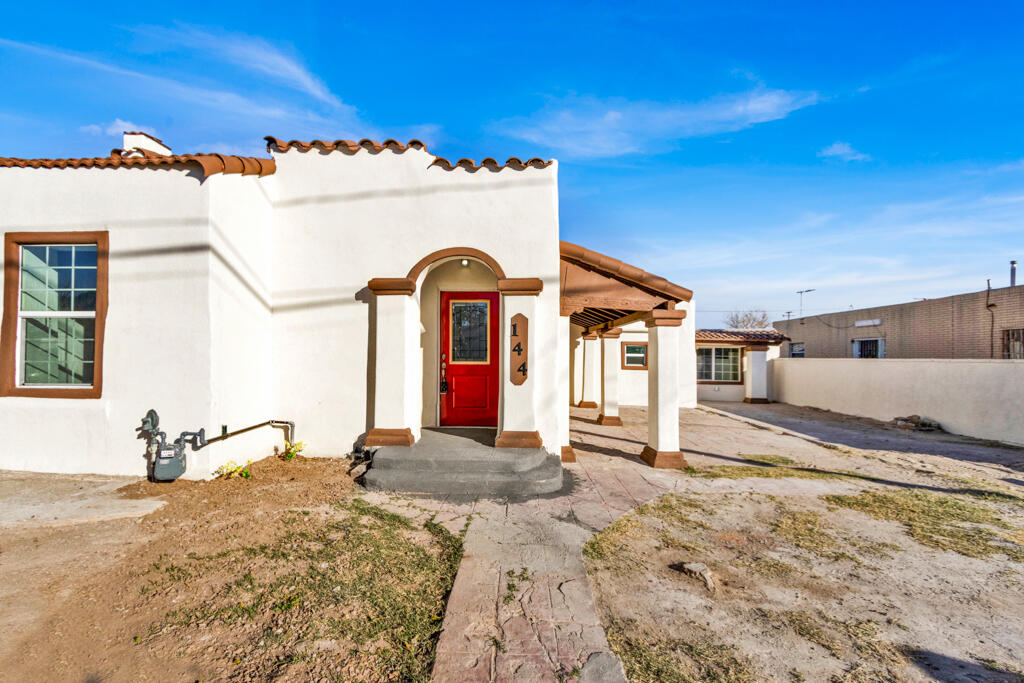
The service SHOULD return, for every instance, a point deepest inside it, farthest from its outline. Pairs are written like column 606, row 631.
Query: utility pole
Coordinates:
column 789, row 315
column 801, row 293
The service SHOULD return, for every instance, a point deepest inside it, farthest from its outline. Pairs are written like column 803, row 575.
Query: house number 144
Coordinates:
column 519, row 351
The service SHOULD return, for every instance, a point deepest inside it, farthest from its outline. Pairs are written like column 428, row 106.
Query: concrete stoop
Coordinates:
column 460, row 462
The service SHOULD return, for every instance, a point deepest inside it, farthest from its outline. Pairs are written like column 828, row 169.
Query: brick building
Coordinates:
column 985, row 324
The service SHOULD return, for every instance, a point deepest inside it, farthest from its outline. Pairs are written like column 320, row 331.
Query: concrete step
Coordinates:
column 475, row 458
column 545, row 477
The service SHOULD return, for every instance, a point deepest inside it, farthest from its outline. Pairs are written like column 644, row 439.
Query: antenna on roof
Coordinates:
column 801, row 292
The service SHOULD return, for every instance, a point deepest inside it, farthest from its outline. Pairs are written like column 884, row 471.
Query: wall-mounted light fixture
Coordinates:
column 465, row 262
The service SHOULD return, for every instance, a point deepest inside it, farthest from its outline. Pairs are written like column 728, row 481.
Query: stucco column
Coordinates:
column 755, row 380
column 662, row 449
column 610, row 363
column 519, row 404
column 590, row 355
column 564, row 382
column 396, row 372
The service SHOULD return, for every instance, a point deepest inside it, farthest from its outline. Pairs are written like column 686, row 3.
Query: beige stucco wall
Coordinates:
column 979, row 398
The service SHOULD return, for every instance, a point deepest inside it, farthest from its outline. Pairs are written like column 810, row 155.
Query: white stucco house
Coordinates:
column 366, row 291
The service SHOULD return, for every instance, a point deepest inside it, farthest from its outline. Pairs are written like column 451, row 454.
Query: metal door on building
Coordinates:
column 469, row 355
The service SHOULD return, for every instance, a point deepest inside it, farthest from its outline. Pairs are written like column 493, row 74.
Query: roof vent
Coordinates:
column 144, row 142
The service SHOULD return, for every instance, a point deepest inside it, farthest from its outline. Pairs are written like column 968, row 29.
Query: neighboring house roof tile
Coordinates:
column 764, row 336
column 209, row 163
column 351, row 147
column 623, row 271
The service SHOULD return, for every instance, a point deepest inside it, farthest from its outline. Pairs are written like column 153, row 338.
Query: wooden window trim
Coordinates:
column 622, row 354
column 9, row 325
column 743, row 354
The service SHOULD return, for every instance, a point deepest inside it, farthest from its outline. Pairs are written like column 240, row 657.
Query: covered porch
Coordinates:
column 601, row 298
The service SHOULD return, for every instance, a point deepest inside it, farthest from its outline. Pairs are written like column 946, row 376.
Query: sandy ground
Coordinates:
column 241, row 579
column 804, row 589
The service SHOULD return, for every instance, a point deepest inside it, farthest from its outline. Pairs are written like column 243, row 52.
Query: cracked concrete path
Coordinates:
column 522, row 607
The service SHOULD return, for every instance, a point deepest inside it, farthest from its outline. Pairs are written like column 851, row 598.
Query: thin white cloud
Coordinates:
column 248, row 52
column 591, row 127
column 843, row 151
column 343, row 121
column 116, row 128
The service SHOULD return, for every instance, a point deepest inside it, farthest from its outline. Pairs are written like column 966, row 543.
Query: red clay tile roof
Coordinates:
column 350, row 147
column 764, row 336
column 622, row 271
column 119, row 158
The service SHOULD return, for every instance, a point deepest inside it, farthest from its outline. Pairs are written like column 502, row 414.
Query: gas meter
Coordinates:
column 166, row 461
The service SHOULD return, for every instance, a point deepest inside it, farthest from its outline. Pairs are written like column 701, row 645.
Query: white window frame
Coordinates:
column 19, row 349
column 739, row 367
column 803, row 349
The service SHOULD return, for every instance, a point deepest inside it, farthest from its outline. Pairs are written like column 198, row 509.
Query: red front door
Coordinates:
column 469, row 359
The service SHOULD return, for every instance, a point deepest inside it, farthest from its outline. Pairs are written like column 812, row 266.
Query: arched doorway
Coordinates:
column 460, row 317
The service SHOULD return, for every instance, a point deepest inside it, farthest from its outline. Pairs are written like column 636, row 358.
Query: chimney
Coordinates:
column 1013, row 273
column 144, row 142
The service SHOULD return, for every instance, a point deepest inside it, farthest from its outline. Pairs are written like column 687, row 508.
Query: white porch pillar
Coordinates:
column 591, row 355
column 396, row 371
column 610, row 363
column 518, row 405
column 755, row 380
column 662, row 449
column 564, row 369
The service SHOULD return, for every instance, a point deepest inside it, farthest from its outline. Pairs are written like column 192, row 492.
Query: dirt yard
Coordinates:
column 780, row 558
column 287, row 575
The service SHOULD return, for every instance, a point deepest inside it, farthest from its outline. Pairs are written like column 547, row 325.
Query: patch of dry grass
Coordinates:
column 649, row 659
column 367, row 581
column 806, row 531
column 672, row 509
column 880, row 660
column 609, row 542
column 772, row 568
column 940, row 521
column 773, row 467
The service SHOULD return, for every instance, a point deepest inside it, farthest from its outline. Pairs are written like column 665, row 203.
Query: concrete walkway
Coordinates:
column 522, row 607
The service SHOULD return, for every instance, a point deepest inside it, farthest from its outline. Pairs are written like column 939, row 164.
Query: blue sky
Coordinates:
column 871, row 151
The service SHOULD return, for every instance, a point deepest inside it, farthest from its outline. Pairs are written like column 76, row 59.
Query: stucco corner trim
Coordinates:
column 520, row 286
column 568, row 454
column 389, row 437
column 509, row 439
column 663, row 460
column 586, row 404
column 609, row 420
column 391, row 285
column 755, row 400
